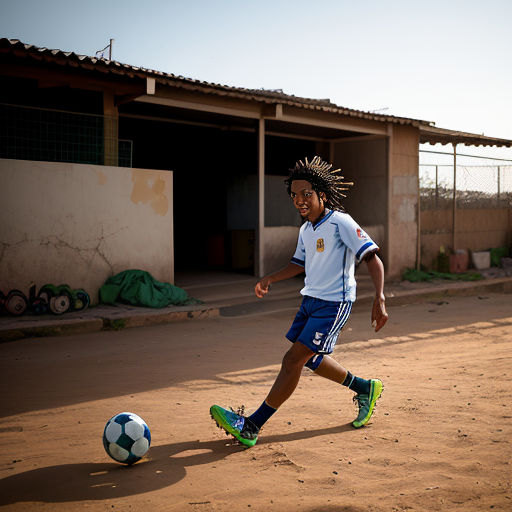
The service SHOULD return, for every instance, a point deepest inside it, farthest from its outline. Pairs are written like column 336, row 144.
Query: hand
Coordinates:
column 379, row 315
column 262, row 287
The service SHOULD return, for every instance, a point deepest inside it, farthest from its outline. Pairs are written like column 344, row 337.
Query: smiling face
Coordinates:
column 306, row 200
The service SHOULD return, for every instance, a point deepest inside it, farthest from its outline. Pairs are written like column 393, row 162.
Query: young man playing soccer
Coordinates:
column 329, row 245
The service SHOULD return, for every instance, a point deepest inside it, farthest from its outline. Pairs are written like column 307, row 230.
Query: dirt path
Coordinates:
column 441, row 438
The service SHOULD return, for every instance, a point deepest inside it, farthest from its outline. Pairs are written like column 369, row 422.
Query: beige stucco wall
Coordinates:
column 477, row 230
column 79, row 224
column 403, row 199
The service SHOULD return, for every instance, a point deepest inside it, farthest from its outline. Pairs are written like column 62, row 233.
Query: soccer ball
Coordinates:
column 126, row 437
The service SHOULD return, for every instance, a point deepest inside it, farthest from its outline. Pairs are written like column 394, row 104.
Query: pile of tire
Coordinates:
column 50, row 299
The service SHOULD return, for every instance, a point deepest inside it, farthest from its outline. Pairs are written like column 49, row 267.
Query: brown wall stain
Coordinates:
column 148, row 188
column 102, row 178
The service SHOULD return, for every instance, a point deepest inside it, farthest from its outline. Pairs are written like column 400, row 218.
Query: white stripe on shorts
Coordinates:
column 341, row 319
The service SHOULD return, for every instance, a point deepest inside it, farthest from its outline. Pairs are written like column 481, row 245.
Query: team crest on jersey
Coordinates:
column 361, row 234
column 320, row 245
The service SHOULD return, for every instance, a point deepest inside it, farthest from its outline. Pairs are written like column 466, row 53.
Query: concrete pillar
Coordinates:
column 388, row 223
column 402, row 215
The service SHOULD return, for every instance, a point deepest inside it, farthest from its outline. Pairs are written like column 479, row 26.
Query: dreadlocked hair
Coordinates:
column 322, row 178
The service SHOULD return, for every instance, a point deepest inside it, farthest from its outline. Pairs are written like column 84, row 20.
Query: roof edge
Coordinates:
column 435, row 135
column 275, row 96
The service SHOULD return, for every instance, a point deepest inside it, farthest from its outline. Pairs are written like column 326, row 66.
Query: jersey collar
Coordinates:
column 328, row 213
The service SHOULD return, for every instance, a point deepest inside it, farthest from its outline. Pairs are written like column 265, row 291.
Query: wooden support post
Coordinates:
column 332, row 147
column 260, row 241
column 454, row 213
column 110, row 129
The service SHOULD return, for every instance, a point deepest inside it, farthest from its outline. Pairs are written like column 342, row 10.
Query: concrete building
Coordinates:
column 106, row 166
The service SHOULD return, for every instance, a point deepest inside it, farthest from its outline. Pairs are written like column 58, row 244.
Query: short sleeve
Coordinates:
column 299, row 258
column 355, row 237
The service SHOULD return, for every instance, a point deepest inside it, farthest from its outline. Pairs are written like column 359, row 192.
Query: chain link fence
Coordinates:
column 477, row 186
column 29, row 133
column 467, row 208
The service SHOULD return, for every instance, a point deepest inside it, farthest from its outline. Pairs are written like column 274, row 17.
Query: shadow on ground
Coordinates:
column 165, row 466
column 56, row 372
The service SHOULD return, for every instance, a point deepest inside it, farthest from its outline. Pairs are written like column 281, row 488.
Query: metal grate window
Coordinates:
column 29, row 133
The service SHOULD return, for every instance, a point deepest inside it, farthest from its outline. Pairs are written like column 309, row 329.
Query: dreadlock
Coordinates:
column 322, row 179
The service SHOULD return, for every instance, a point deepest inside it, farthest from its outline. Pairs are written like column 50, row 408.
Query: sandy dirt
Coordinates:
column 440, row 439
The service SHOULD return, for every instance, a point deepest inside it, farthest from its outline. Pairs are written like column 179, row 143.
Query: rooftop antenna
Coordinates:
column 100, row 54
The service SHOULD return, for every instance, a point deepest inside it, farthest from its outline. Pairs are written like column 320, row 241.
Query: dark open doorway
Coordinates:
column 214, row 163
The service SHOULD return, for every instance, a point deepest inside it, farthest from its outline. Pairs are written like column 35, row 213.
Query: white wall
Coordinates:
column 79, row 224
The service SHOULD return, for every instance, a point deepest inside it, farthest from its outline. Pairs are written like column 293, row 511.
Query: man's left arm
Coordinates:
column 376, row 270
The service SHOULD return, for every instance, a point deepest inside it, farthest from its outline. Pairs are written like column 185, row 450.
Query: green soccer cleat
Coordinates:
column 366, row 403
column 240, row 427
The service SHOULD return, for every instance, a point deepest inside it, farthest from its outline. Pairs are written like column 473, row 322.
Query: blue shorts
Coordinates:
column 318, row 324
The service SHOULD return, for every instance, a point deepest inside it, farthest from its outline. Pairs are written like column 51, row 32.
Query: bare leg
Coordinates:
column 332, row 370
column 289, row 375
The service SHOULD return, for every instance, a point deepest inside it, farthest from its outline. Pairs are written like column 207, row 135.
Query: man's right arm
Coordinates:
column 291, row 270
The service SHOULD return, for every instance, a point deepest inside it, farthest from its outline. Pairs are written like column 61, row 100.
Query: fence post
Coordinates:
column 437, row 187
column 498, row 197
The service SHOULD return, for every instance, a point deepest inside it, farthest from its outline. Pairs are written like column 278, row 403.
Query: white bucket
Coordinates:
column 481, row 259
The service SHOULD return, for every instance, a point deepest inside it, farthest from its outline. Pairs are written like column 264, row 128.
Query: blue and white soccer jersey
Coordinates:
column 328, row 251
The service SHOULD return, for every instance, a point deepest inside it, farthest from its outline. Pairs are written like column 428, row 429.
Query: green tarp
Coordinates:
column 140, row 288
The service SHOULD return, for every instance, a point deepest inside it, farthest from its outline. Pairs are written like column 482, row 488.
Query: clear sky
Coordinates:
column 445, row 61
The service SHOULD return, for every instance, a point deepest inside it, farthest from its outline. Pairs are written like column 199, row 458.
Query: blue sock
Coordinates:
column 260, row 417
column 360, row 386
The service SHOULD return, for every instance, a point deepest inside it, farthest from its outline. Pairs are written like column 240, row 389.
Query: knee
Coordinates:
column 314, row 362
column 294, row 359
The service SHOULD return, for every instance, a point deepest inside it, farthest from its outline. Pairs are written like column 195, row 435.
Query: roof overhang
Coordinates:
column 434, row 135
column 131, row 83
column 28, row 54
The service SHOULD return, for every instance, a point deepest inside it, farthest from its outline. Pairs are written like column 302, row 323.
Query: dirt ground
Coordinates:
column 440, row 439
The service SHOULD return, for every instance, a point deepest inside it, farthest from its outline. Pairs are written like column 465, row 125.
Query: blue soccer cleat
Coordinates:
column 240, row 427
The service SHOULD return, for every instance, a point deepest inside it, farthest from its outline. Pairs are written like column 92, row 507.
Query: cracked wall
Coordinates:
column 79, row 224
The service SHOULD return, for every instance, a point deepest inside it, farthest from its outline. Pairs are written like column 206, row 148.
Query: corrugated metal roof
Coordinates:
column 435, row 135
column 428, row 132
column 18, row 48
